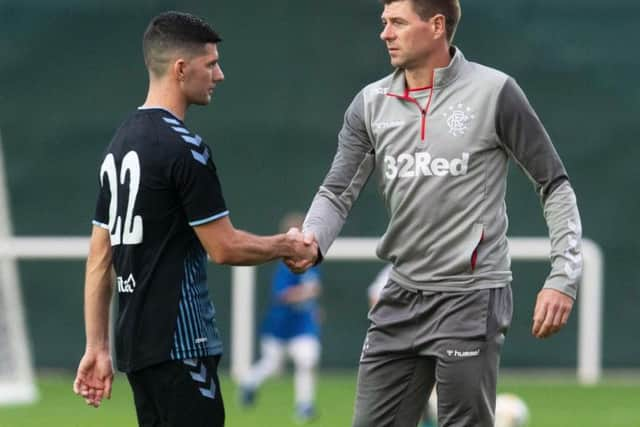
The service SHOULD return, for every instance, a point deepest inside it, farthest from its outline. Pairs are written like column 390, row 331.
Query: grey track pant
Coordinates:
column 418, row 339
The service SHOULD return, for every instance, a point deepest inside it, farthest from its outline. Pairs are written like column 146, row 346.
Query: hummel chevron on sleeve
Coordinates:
column 349, row 172
column 525, row 138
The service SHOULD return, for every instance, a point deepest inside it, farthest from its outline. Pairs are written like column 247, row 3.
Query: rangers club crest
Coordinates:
column 458, row 119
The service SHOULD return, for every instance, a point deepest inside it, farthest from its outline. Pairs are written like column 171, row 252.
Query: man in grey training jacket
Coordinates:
column 439, row 131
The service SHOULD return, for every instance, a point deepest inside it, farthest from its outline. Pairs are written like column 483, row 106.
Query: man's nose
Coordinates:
column 218, row 75
column 387, row 33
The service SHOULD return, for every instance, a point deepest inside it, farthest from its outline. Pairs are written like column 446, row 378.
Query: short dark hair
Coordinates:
column 172, row 31
column 428, row 8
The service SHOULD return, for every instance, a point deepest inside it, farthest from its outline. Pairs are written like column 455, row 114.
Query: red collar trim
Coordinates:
column 420, row 88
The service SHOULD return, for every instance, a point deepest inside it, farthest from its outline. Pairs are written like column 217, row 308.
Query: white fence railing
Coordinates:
column 359, row 249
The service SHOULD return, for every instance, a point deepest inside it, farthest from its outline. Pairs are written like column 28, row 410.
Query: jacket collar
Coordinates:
column 442, row 76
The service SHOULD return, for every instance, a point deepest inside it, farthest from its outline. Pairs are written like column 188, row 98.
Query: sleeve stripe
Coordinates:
column 209, row 219
column 171, row 121
column 180, row 129
column 100, row 224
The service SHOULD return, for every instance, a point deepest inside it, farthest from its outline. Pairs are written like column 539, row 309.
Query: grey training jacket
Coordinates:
column 442, row 154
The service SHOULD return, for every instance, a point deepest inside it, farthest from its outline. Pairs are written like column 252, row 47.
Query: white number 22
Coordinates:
column 132, row 233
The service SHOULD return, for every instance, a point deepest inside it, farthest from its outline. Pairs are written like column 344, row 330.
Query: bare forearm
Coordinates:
column 248, row 249
column 97, row 293
column 97, row 299
column 227, row 245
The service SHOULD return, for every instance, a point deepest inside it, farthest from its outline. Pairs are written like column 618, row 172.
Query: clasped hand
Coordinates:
column 305, row 250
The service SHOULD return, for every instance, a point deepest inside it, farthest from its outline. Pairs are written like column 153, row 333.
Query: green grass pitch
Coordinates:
column 552, row 403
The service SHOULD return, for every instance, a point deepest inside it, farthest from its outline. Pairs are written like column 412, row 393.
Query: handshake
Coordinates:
column 303, row 252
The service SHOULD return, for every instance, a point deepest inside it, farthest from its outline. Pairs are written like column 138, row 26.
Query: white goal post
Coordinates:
column 17, row 383
column 590, row 295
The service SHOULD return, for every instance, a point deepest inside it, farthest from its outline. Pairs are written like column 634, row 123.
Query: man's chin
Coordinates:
column 396, row 63
column 202, row 102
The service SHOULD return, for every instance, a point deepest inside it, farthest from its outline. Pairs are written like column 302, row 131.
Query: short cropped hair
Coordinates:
column 428, row 8
column 170, row 32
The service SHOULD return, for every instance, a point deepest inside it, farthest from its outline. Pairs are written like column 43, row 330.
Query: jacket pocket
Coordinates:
column 460, row 255
column 473, row 244
column 474, row 254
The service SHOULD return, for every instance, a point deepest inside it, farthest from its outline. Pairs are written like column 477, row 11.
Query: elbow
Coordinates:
column 225, row 252
column 220, row 240
column 221, row 255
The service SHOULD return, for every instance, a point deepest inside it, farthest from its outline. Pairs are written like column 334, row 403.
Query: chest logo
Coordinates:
column 458, row 118
column 126, row 286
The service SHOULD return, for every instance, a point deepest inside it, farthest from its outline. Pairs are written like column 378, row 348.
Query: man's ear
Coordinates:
column 439, row 23
column 178, row 69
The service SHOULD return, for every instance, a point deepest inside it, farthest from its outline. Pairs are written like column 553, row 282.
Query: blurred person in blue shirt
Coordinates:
column 290, row 328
